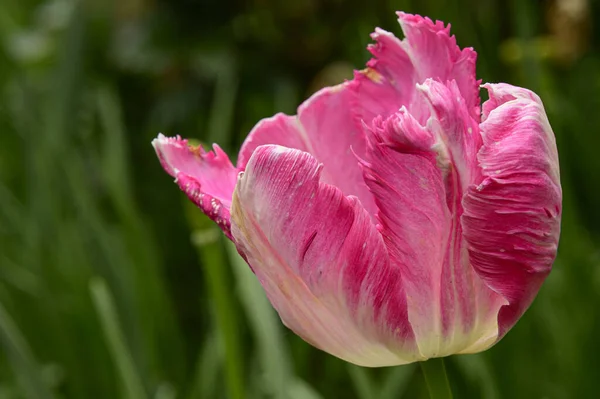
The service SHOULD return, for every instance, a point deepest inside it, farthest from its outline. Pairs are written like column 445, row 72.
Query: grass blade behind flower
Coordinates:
column 21, row 359
column 104, row 304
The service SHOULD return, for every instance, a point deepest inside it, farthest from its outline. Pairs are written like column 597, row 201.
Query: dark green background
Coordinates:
column 113, row 285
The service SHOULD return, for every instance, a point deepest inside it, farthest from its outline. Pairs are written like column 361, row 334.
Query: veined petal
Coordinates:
column 511, row 218
column 428, row 51
column 281, row 129
column 387, row 83
column 449, row 307
column 457, row 133
column 320, row 259
column 326, row 128
column 436, row 55
column 207, row 178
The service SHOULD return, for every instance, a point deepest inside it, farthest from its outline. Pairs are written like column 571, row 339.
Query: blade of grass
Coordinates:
column 208, row 365
column 476, row 370
column 280, row 381
column 265, row 326
column 11, row 211
column 361, row 381
column 19, row 277
column 221, row 112
column 436, row 378
column 165, row 391
column 27, row 371
column 114, row 150
column 111, row 262
column 225, row 313
column 396, row 382
column 115, row 342
column 300, row 389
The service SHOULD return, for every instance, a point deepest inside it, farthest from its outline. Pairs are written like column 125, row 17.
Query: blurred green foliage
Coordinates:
column 112, row 285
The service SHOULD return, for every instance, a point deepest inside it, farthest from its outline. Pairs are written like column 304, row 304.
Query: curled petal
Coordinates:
column 320, row 259
column 207, row 178
column 387, row 83
column 326, row 128
column 403, row 132
column 281, row 129
column 436, row 55
column 511, row 218
column 456, row 131
column 428, row 51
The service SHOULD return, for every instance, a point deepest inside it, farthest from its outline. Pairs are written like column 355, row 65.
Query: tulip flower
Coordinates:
column 394, row 218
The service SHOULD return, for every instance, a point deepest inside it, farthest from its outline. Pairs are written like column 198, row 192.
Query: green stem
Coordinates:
column 434, row 372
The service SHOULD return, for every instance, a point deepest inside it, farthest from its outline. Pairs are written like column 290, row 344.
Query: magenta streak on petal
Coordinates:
column 207, row 178
column 320, row 259
column 512, row 216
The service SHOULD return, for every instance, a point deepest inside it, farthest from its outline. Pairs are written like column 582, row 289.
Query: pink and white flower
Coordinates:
column 392, row 219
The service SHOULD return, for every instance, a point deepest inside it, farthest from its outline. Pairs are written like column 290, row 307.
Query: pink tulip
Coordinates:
column 392, row 220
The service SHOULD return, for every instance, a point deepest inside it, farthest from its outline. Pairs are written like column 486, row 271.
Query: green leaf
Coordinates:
column 105, row 308
column 21, row 359
column 362, row 381
column 265, row 325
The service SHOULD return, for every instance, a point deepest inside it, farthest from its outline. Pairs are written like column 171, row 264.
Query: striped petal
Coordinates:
column 511, row 217
column 320, row 259
column 207, row 178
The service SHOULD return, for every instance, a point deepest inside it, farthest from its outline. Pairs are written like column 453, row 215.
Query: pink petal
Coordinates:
column 435, row 55
column 207, row 178
column 456, row 131
column 387, row 83
column 320, row 259
column 512, row 216
column 428, row 51
column 280, row 129
column 326, row 128
column 410, row 170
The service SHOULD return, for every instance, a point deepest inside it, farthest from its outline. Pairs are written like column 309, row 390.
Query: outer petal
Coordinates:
column 320, row 260
column 207, row 178
column 326, row 128
column 511, row 219
column 428, row 51
column 414, row 174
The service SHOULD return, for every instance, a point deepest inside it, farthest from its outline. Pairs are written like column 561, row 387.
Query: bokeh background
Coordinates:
column 113, row 286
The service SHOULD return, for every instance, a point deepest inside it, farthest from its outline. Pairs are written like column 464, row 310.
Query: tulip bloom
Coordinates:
column 393, row 219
